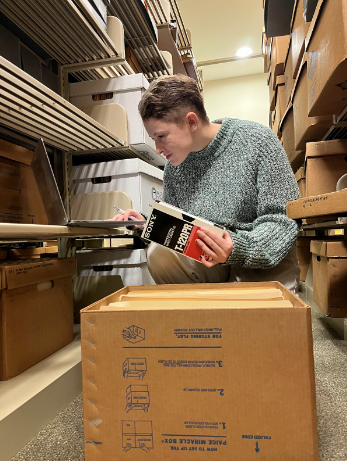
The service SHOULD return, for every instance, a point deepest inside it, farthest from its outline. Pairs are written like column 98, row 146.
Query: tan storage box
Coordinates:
column 304, row 255
column 288, row 73
column 20, row 198
column 332, row 204
column 327, row 58
column 307, row 129
column 299, row 30
column 329, row 261
column 300, row 177
column 36, row 312
column 239, row 382
column 326, row 162
column 278, row 56
column 31, row 253
column 280, row 104
column 296, row 158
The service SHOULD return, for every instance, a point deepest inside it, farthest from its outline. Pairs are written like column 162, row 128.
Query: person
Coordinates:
column 232, row 172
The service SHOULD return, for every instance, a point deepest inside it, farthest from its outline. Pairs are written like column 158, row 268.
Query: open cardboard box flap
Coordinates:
column 322, row 148
column 329, row 249
column 15, row 274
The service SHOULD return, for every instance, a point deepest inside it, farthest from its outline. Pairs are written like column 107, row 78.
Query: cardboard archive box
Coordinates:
column 278, row 55
column 299, row 28
column 304, row 255
column 127, row 91
column 141, row 181
column 326, row 162
column 280, row 104
column 36, row 312
column 327, row 58
column 223, row 382
column 20, row 198
column 329, row 264
column 307, row 129
column 333, row 204
column 296, row 158
column 300, row 177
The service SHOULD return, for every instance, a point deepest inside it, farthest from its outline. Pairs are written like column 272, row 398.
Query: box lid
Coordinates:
column 116, row 85
column 323, row 148
column 329, row 249
column 332, row 203
column 300, row 174
column 15, row 274
column 116, row 168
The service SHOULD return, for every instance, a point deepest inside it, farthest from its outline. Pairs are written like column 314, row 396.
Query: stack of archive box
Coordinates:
column 314, row 71
column 185, row 368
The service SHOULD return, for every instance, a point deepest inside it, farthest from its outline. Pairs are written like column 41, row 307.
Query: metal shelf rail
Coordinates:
column 68, row 32
column 339, row 128
column 138, row 38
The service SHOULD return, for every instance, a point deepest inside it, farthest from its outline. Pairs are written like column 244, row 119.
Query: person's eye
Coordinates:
column 161, row 136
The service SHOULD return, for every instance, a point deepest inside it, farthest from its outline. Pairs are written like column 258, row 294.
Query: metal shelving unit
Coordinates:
column 339, row 128
column 83, row 39
column 139, row 38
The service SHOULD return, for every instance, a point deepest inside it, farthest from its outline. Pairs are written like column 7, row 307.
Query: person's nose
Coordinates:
column 159, row 148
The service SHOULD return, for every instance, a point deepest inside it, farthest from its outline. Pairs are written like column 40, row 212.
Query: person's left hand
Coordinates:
column 216, row 248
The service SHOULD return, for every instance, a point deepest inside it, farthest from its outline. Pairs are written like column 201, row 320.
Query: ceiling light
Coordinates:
column 244, row 52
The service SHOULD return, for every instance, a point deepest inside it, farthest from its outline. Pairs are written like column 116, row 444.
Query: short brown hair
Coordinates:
column 171, row 97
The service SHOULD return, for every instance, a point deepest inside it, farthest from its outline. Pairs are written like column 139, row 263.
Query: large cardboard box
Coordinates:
column 127, row 91
column 296, row 158
column 327, row 58
column 36, row 312
column 141, row 181
column 20, row 198
column 299, row 28
column 223, row 382
column 333, row 204
column 329, row 261
column 278, row 56
column 300, row 177
column 326, row 162
column 304, row 255
column 306, row 129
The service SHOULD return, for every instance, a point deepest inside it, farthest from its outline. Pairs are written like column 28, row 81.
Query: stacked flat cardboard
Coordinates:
column 36, row 312
column 207, row 378
column 329, row 277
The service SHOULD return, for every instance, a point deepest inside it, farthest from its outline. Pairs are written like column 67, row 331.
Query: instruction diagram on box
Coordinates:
column 137, row 397
column 134, row 368
column 134, row 334
column 137, row 434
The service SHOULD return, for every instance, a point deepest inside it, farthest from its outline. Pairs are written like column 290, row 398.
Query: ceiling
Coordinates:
column 219, row 28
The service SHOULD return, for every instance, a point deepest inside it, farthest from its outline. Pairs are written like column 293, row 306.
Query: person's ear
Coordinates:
column 193, row 121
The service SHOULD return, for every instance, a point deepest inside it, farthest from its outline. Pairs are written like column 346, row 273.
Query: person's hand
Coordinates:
column 125, row 217
column 216, row 248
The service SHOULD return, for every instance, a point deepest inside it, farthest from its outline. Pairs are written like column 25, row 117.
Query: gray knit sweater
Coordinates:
column 243, row 175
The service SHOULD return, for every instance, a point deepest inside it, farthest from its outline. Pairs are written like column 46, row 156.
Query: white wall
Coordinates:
column 244, row 97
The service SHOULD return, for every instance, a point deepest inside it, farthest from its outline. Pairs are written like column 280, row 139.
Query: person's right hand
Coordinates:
column 125, row 217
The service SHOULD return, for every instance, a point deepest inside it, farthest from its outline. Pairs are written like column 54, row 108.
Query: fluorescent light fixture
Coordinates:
column 244, row 52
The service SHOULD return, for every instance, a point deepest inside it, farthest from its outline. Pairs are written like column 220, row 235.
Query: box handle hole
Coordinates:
column 108, row 268
column 101, row 179
column 45, row 285
column 102, row 96
column 318, row 258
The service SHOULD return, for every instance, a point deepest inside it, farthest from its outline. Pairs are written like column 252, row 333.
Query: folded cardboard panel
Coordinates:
column 329, row 277
column 307, row 129
column 296, row 158
column 36, row 312
column 228, row 374
column 300, row 177
column 326, row 162
column 327, row 52
column 288, row 73
column 332, row 204
column 278, row 56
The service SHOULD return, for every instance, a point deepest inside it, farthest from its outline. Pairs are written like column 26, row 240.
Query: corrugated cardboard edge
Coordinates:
column 300, row 174
column 16, row 153
column 289, row 108
column 329, row 249
column 314, row 206
column 314, row 21
column 323, row 148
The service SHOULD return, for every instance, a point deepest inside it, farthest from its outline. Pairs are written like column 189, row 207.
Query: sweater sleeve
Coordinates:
column 265, row 242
